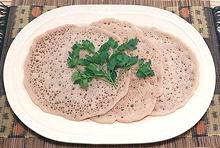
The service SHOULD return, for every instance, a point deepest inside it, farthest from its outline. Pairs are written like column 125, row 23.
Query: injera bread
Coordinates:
column 180, row 71
column 141, row 97
column 48, row 79
column 137, row 104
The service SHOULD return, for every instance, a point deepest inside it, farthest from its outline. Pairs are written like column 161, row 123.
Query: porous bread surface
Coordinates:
column 139, row 102
column 48, row 78
column 180, row 72
column 141, row 97
column 123, row 29
column 145, row 49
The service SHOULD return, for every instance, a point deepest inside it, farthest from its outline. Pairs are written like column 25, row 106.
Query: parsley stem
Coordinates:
column 106, row 79
column 113, row 83
column 109, row 79
column 78, row 69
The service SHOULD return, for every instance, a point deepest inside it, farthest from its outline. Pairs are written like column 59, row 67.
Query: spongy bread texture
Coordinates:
column 180, row 72
column 48, row 78
column 123, row 29
column 145, row 49
column 140, row 99
column 137, row 104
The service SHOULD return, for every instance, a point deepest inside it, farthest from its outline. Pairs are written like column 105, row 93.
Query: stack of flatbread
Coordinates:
column 48, row 78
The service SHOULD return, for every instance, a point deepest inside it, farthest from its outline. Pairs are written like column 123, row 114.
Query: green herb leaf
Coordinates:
column 94, row 70
column 112, row 62
column 104, row 47
column 140, row 62
column 125, row 61
column 81, row 79
column 112, row 43
column 75, row 50
column 76, row 76
column 99, row 57
column 89, row 46
column 84, row 82
column 132, row 61
column 73, row 58
column 121, row 60
column 102, row 65
column 83, row 62
column 145, row 70
column 72, row 62
column 102, row 55
column 112, row 75
column 129, row 45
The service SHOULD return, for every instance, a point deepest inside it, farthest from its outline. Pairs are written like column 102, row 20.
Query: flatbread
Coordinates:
column 48, row 79
column 141, row 97
column 145, row 49
column 180, row 72
column 137, row 104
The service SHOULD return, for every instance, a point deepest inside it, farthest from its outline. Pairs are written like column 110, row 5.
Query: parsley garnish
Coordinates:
column 129, row 45
column 73, row 58
column 144, row 69
column 87, row 45
column 102, row 64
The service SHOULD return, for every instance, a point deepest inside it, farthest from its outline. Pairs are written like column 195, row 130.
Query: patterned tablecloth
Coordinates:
column 200, row 17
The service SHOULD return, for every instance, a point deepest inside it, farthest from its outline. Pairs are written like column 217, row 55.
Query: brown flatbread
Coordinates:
column 180, row 71
column 140, row 99
column 48, row 79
